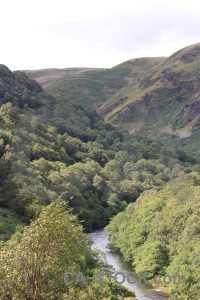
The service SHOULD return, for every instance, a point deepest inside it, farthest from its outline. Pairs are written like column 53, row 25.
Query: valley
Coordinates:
column 82, row 149
column 146, row 96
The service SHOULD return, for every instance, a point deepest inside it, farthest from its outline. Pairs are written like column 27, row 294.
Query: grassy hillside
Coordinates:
column 164, row 103
column 174, row 82
column 147, row 96
column 91, row 88
column 47, row 76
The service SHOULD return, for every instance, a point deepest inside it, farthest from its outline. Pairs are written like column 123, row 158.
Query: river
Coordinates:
column 142, row 291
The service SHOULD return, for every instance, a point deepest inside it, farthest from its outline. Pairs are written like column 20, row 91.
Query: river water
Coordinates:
column 142, row 291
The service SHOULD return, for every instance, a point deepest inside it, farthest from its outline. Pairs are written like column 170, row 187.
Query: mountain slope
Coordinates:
column 47, row 76
column 174, row 82
column 91, row 88
column 165, row 104
column 162, row 91
column 51, row 149
column 155, row 97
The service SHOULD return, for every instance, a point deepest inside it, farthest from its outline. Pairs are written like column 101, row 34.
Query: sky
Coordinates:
column 38, row 34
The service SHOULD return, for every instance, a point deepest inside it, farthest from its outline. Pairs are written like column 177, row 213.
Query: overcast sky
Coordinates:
column 88, row 33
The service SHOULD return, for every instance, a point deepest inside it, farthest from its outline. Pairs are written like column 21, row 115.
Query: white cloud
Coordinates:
column 41, row 34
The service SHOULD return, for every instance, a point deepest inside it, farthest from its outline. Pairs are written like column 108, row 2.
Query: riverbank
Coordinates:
column 157, row 289
column 142, row 291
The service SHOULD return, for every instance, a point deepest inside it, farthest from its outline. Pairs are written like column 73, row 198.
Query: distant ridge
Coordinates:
column 151, row 96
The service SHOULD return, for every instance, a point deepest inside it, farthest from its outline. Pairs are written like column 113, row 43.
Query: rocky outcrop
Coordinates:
column 104, row 110
column 190, row 111
column 190, row 56
column 197, row 124
column 171, row 76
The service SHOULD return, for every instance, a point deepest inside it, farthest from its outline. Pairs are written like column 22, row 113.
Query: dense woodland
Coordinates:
column 59, row 162
column 160, row 233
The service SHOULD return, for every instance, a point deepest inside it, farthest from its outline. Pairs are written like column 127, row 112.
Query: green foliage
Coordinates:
column 51, row 149
column 187, row 263
column 33, row 262
column 151, row 256
column 9, row 223
column 92, row 87
column 57, row 150
column 160, row 233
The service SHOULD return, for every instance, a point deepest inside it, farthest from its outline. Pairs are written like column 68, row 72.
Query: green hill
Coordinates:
column 47, row 76
column 53, row 158
column 165, row 103
column 90, row 88
column 55, row 151
column 52, row 149
column 147, row 96
column 160, row 94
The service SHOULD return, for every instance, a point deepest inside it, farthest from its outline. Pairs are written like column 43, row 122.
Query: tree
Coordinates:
column 33, row 262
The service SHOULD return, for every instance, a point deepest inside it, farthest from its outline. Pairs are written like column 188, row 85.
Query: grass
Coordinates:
column 90, row 88
column 46, row 77
column 9, row 223
column 118, row 93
